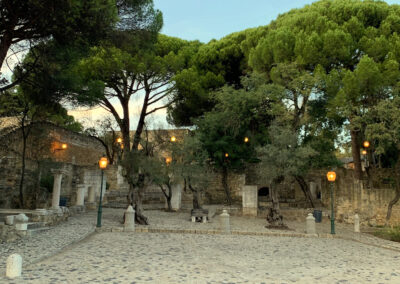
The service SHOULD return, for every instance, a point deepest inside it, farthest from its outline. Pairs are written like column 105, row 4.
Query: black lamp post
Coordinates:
column 103, row 165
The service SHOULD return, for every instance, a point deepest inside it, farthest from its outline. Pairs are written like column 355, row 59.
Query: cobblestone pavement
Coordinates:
column 200, row 258
column 187, row 258
column 48, row 242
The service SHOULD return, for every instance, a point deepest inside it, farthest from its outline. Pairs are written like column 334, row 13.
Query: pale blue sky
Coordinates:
column 208, row 19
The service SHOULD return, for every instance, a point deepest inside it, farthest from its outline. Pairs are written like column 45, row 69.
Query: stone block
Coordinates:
column 14, row 266
column 10, row 220
column 21, row 218
column 21, row 226
column 249, row 211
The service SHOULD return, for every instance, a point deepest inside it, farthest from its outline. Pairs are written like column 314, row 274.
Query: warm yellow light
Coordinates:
column 168, row 160
column 119, row 140
column 246, row 139
column 366, row 144
column 364, row 152
column 226, row 155
column 331, row 176
column 103, row 163
column 173, row 139
column 64, row 146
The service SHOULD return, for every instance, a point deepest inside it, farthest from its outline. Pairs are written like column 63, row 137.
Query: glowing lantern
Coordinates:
column 246, row 139
column 173, row 139
column 103, row 163
column 366, row 144
column 331, row 176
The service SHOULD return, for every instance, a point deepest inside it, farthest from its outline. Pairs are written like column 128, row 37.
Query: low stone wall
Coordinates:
column 36, row 219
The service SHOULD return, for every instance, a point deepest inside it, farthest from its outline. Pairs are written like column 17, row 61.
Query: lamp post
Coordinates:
column 103, row 165
column 331, row 178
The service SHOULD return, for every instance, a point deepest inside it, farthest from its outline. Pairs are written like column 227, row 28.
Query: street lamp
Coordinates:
column 226, row 155
column 103, row 162
column 331, row 178
column 173, row 139
column 366, row 144
column 119, row 140
column 246, row 139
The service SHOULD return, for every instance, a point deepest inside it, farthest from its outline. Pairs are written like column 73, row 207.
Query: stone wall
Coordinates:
column 215, row 193
column 369, row 199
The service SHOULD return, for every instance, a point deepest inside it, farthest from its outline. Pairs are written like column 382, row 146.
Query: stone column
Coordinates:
column 176, row 199
column 55, row 203
column 313, row 189
column 80, row 195
column 91, row 194
column 249, row 200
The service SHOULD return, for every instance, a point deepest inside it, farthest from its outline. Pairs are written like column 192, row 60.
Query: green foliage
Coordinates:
column 214, row 65
column 284, row 156
column 237, row 114
column 383, row 127
column 388, row 233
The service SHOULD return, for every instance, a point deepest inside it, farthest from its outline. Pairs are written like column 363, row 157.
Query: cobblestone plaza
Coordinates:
column 57, row 255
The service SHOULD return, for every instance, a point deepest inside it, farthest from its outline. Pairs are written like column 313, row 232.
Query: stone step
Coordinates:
column 36, row 225
column 31, row 232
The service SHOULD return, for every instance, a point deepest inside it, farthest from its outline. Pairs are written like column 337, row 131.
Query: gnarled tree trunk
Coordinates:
column 135, row 198
column 225, row 185
column 397, row 188
column 274, row 217
column 306, row 189
column 355, row 150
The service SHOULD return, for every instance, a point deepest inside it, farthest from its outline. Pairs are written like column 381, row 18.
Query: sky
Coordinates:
column 213, row 19
column 205, row 20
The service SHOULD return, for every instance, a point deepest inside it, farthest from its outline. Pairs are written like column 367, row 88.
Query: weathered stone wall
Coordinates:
column 10, row 176
column 369, row 199
column 215, row 193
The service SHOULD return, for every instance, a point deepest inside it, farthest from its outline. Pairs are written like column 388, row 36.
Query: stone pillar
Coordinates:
column 120, row 177
column 249, row 200
column 91, row 194
column 91, row 204
column 356, row 223
column 80, row 195
column 10, row 220
column 313, row 189
column 14, row 266
column 310, row 224
column 55, row 203
column 129, row 224
column 176, row 199
column 224, row 222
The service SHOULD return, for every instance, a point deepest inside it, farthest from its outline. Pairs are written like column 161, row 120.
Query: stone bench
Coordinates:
column 199, row 215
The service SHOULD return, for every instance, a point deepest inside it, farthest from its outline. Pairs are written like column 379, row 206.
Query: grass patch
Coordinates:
column 388, row 233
